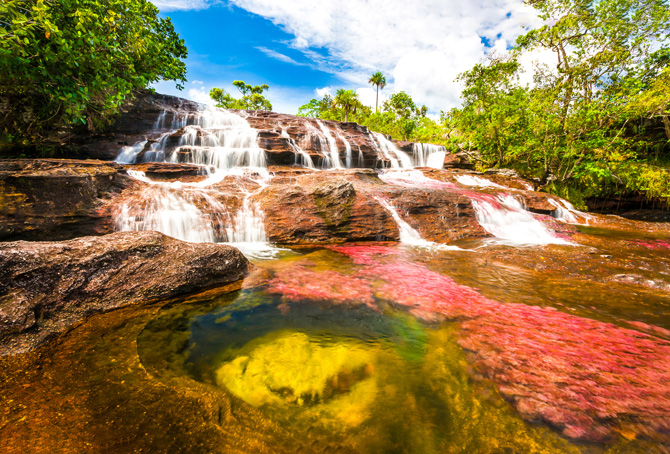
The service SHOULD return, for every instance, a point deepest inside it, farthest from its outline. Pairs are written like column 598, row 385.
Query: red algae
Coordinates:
column 365, row 255
column 299, row 283
column 654, row 245
column 587, row 378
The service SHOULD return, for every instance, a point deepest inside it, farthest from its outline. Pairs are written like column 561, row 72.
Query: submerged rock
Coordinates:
column 45, row 288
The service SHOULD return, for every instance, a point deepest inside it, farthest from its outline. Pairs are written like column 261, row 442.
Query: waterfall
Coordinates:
column 128, row 154
column 172, row 210
column 387, row 149
column 334, row 162
column 305, row 158
column 347, row 147
column 505, row 218
column 471, row 180
column 412, row 179
column 223, row 144
column 409, row 235
column 566, row 212
column 428, row 155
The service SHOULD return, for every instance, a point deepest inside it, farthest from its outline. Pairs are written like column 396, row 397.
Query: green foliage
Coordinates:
column 379, row 81
column 252, row 97
column 399, row 117
column 594, row 121
column 348, row 101
column 75, row 62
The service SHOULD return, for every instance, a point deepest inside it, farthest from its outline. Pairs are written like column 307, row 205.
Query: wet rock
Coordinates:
column 636, row 279
column 46, row 287
column 54, row 199
column 164, row 171
column 339, row 206
column 458, row 161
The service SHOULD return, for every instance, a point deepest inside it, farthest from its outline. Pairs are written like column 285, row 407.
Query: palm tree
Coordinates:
column 347, row 100
column 379, row 81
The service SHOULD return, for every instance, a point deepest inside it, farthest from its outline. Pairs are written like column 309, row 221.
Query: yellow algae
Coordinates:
column 292, row 368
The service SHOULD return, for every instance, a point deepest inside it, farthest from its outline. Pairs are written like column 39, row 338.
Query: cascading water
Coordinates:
column 412, row 178
column 391, row 153
column 505, row 218
column 173, row 210
column 409, row 235
column 428, row 155
column 566, row 212
column 334, row 162
column 305, row 158
column 347, row 147
column 223, row 144
column 471, row 180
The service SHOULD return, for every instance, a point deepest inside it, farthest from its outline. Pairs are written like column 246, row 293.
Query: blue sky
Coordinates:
column 305, row 48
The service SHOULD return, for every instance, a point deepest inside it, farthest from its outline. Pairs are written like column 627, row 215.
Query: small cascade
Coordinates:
column 505, row 218
column 566, row 212
column 160, row 121
column 334, row 162
column 128, row 154
column 348, row 153
column 305, row 158
column 471, row 180
column 409, row 235
column 223, row 144
column 247, row 229
column 388, row 149
column 412, row 178
column 174, row 211
column 429, row 155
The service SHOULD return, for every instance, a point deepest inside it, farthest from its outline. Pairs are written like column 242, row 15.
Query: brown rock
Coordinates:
column 339, row 206
column 163, row 171
column 45, row 288
column 53, row 199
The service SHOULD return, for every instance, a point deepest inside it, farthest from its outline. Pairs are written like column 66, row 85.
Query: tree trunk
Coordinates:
column 666, row 123
column 377, row 101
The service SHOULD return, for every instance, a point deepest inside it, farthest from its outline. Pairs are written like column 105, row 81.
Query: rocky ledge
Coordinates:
column 57, row 199
column 45, row 288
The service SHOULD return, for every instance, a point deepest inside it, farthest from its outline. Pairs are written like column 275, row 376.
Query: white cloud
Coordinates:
column 279, row 56
column 420, row 46
column 182, row 5
column 200, row 95
column 367, row 96
column 321, row 92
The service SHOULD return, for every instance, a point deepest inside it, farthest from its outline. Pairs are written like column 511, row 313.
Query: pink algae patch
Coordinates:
column 365, row 255
column 300, row 283
column 582, row 376
column 652, row 244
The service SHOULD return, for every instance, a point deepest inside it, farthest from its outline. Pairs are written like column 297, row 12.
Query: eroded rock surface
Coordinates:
column 53, row 199
column 339, row 206
column 47, row 287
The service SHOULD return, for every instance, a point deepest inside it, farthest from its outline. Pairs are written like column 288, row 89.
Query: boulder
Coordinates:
column 47, row 287
column 343, row 205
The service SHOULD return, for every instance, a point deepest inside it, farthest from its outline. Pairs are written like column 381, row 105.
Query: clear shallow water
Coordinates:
column 396, row 349
column 371, row 348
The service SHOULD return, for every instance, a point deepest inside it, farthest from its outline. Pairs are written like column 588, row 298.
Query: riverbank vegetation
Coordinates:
column 594, row 123
column 68, row 66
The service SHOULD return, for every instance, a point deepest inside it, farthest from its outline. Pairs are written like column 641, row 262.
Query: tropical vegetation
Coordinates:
column 252, row 97
column 70, row 65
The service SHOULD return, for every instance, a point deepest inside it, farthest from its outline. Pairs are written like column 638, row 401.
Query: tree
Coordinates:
column 591, row 121
column 379, row 81
column 316, row 108
column 70, row 63
column 252, row 97
column 347, row 100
